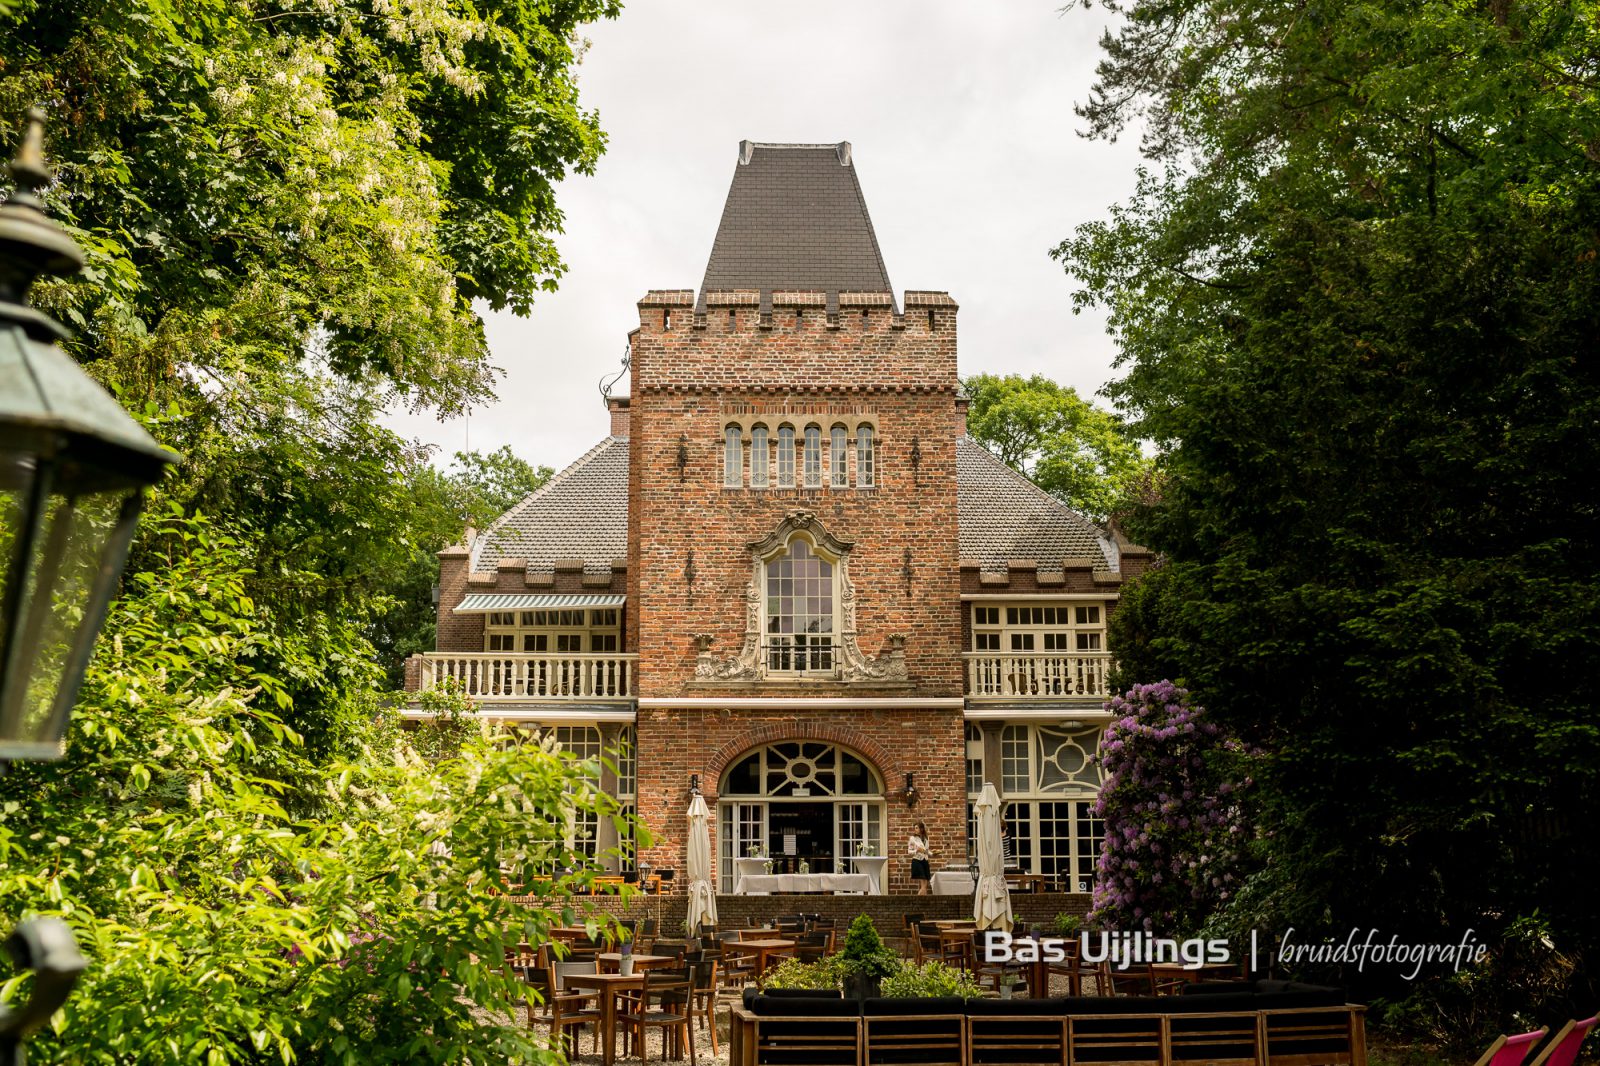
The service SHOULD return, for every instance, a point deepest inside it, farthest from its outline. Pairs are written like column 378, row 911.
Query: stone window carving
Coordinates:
column 800, row 615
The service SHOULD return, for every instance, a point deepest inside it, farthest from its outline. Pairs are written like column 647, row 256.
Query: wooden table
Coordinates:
column 608, row 985
column 763, row 950
column 611, row 962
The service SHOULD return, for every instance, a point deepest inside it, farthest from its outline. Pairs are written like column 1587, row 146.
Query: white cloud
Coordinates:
column 965, row 144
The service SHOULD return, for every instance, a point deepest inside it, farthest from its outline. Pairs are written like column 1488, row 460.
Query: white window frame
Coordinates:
column 732, row 458
column 839, row 457
column 522, row 628
column 760, row 457
column 835, row 634
column 866, row 457
column 786, row 456
column 813, row 456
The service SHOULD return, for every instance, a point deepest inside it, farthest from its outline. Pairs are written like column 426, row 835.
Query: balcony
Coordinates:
column 991, row 675
column 508, row 676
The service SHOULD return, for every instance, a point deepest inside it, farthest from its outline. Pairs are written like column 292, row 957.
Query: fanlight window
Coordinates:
column 1040, row 759
column 799, row 769
column 800, row 611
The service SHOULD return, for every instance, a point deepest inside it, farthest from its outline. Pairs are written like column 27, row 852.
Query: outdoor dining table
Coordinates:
column 609, row 985
column 611, row 961
column 763, row 950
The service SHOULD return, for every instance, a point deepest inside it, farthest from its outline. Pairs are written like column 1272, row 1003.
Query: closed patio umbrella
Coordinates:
column 702, row 898
column 991, row 906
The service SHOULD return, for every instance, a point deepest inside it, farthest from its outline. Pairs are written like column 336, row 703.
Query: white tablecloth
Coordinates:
column 766, row 884
column 872, row 866
column 954, row 883
column 746, row 867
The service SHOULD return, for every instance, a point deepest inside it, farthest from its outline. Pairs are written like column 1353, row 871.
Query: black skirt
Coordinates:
column 920, row 871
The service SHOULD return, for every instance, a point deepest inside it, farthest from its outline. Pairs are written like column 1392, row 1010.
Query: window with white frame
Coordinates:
column 567, row 631
column 1049, row 784
column 786, row 457
column 1038, row 649
column 800, row 610
column 838, row 458
column 733, row 458
column 866, row 464
column 760, row 457
column 813, row 457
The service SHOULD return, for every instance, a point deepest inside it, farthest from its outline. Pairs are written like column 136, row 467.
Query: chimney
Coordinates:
column 618, row 406
column 961, row 416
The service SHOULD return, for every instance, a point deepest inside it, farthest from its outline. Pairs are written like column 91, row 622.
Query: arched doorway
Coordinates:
column 799, row 800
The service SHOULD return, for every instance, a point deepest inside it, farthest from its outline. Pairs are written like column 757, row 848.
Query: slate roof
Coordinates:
column 1004, row 516
column 795, row 219
column 581, row 513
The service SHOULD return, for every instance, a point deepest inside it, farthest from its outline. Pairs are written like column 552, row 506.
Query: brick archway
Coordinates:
column 776, row 732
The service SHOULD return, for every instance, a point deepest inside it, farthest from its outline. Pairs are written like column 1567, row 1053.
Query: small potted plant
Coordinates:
column 625, row 962
column 1007, row 982
column 865, row 962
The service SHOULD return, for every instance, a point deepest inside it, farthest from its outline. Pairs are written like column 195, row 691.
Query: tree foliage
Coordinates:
column 241, row 902
column 1073, row 450
column 1357, row 303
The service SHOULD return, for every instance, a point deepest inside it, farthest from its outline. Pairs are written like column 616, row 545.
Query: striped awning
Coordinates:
column 484, row 602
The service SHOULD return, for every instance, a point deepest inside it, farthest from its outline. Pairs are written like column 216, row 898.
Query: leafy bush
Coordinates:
column 240, row 903
column 864, row 953
column 932, row 978
column 1066, row 924
column 822, row 975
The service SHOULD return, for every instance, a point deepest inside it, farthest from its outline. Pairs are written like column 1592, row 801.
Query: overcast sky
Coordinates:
column 965, row 144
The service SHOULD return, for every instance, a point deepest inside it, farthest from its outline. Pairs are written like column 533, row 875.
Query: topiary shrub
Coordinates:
column 823, row 975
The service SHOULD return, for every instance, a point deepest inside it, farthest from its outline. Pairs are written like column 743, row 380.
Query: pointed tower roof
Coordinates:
column 795, row 219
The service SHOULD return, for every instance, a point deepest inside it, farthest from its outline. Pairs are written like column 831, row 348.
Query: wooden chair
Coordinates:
column 665, row 1002
column 1563, row 1050
column 703, row 967
column 549, row 1005
column 813, row 946
column 1137, row 980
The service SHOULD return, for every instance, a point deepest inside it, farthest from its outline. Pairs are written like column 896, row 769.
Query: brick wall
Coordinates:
column 690, row 566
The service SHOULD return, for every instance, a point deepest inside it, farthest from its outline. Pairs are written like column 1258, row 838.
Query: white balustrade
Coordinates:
column 522, row 676
column 1037, row 676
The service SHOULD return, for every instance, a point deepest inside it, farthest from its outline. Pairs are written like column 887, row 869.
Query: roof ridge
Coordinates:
column 1023, row 479
column 560, row 477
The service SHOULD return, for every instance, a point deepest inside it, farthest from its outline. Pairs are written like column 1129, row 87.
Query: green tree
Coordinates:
column 1356, row 303
column 361, row 918
column 1062, row 443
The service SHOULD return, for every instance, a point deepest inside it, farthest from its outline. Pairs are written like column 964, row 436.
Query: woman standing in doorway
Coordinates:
column 917, row 848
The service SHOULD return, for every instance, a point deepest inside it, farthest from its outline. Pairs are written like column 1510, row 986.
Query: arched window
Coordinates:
column 760, row 456
column 838, row 461
column 813, row 468
column 865, row 476
column 813, row 767
column 733, row 458
column 786, row 457
column 800, row 611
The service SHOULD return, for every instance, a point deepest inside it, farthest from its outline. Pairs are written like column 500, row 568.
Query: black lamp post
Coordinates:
column 73, row 470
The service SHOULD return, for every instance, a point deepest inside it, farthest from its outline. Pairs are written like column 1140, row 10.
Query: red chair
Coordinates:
column 1511, row 1050
column 1563, row 1050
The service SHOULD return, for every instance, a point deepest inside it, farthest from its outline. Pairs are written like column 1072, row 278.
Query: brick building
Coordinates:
column 789, row 577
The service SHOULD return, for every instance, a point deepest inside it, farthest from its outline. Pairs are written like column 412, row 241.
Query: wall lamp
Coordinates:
column 694, row 784
column 911, row 789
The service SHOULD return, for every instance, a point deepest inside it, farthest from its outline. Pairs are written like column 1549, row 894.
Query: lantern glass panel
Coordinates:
column 53, row 547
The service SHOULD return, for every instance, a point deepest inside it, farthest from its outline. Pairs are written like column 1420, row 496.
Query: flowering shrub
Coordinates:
column 1173, row 822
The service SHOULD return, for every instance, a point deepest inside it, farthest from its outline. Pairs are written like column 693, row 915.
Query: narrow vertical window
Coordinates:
column 786, row 457
column 864, row 458
column 813, row 457
column 838, row 461
column 733, row 459
column 759, row 457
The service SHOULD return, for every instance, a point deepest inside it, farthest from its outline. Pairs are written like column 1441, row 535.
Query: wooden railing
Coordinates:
column 497, row 675
column 1047, row 676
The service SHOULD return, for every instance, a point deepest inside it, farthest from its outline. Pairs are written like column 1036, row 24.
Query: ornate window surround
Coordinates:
column 852, row 665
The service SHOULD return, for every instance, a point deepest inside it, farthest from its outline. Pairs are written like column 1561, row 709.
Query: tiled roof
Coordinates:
column 795, row 219
column 1004, row 516
column 581, row 513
